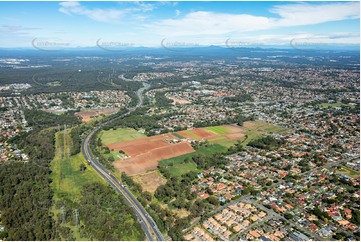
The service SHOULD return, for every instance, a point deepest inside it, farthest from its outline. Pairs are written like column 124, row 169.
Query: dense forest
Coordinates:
column 268, row 143
column 25, row 193
column 243, row 97
column 162, row 100
column 42, row 119
column 103, row 215
column 26, row 196
column 238, row 119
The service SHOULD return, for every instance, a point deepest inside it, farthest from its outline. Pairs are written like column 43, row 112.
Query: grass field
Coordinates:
column 349, row 172
column 211, row 149
column 255, row 130
column 218, row 129
column 68, row 180
column 334, row 105
column 176, row 165
column 178, row 136
column 115, row 154
column 122, row 134
column 182, row 168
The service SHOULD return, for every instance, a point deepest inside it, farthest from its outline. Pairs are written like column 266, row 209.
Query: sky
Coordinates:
column 178, row 24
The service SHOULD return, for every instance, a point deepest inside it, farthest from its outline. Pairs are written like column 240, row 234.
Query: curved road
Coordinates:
column 148, row 225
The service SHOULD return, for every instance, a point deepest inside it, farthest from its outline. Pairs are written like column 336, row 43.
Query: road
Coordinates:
column 147, row 223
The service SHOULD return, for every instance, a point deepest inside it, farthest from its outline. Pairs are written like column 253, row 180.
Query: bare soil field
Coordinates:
column 203, row 133
column 234, row 128
column 87, row 115
column 150, row 181
column 146, row 154
column 179, row 101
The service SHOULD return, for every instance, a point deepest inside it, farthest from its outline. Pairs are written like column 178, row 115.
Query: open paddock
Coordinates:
column 88, row 114
column 148, row 160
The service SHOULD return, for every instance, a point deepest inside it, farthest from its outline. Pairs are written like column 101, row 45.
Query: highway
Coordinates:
column 147, row 223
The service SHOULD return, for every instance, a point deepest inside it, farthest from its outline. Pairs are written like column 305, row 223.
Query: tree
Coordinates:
column 213, row 200
column 288, row 216
column 147, row 195
column 82, row 167
column 355, row 217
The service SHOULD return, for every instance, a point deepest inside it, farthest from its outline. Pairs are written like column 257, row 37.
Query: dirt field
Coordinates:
column 179, row 101
column 150, row 181
column 235, row 132
column 87, row 115
column 234, row 128
column 143, row 145
column 203, row 133
column 235, row 136
column 146, row 152
column 197, row 133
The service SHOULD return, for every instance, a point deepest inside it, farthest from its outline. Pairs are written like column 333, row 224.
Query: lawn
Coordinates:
column 218, row 130
column 349, row 172
column 115, row 154
column 182, row 168
column 122, row 134
column 334, row 105
column 226, row 142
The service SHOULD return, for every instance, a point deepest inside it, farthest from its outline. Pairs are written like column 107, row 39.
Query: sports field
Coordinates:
column 334, row 105
column 219, row 129
column 348, row 171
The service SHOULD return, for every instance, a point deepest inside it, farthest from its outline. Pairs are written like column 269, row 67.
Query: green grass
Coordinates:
column 226, row 142
column 218, row 129
column 119, row 135
column 211, row 149
column 259, row 129
column 349, row 172
column 182, row 168
column 115, row 154
column 68, row 180
column 334, row 105
column 177, row 166
column 178, row 136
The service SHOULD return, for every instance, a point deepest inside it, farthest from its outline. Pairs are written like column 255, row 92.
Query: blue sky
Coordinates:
column 23, row 24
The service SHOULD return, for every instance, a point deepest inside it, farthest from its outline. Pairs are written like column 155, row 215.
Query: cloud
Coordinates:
column 145, row 7
column 97, row 14
column 211, row 23
column 304, row 14
column 177, row 12
column 16, row 30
